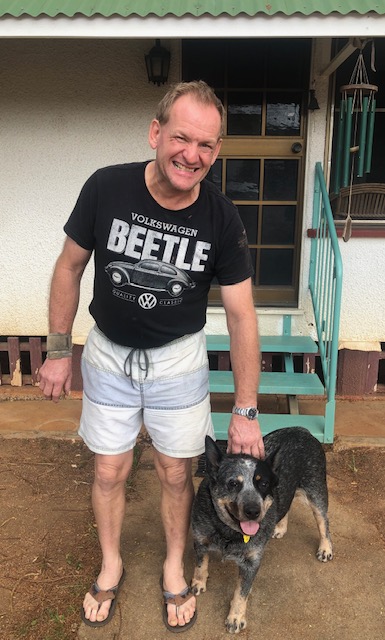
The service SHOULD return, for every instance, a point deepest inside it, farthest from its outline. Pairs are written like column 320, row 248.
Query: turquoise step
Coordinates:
column 268, row 344
column 271, row 382
column 272, row 422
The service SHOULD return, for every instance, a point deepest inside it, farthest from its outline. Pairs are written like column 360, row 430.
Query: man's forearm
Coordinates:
column 64, row 297
column 245, row 361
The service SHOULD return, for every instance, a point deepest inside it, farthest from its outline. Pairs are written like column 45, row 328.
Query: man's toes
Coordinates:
column 104, row 610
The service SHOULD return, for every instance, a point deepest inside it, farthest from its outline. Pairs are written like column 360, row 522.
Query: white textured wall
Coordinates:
column 68, row 107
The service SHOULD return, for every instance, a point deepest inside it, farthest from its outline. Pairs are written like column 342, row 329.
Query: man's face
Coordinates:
column 187, row 145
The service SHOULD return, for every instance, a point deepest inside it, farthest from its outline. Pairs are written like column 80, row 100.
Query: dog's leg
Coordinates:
column 236, row 620
column 281, row 527
column 325, row 548
column 201, row 572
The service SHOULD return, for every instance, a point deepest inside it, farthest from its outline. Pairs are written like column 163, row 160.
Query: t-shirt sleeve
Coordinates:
column 80, row 226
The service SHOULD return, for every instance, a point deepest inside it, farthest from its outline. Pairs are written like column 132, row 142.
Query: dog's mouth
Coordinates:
column 249, row 527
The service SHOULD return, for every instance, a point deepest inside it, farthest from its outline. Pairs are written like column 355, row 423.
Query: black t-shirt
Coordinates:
column 153, row 267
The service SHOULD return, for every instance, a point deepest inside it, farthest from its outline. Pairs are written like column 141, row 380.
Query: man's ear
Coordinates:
column 153, row 134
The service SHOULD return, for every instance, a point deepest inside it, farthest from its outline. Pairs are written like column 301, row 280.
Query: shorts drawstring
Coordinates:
column 143, row 366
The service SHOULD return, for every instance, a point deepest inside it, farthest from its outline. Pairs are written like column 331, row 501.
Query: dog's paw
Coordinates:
column 325, row 552
column 281, row 527
column 198, row 586
column 235, row 624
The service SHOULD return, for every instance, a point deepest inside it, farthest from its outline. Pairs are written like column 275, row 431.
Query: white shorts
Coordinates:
column 166, row 389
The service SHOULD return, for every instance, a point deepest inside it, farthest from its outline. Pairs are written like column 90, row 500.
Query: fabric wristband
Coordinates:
column 59, row 345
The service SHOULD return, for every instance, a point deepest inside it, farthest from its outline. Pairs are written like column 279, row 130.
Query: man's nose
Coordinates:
column 191, row 153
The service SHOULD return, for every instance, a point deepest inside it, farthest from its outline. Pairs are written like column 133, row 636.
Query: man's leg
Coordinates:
column 177, row 494
column 108, row 501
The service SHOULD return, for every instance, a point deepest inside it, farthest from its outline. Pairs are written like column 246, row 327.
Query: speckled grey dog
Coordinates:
column 243, row 502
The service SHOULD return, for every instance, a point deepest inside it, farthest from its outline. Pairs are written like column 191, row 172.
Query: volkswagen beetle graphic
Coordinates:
column 150, row 274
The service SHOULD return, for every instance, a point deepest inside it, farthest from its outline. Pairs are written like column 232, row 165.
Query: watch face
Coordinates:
column 251, row 413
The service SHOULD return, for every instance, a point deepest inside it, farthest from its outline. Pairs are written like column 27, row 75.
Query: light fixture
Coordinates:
column 157, row 64
column 313, row 102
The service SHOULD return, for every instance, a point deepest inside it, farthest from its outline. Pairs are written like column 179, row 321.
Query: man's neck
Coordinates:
column 167, row 197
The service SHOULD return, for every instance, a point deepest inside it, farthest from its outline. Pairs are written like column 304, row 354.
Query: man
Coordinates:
column 160, row 233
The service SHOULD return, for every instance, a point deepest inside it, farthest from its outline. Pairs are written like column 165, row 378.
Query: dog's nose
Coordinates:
column 251, row 511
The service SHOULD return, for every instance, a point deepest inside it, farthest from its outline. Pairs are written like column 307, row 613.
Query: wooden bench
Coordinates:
column 367, row 202
column 287, row 382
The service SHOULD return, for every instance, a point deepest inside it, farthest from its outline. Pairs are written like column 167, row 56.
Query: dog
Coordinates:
column 242, row 502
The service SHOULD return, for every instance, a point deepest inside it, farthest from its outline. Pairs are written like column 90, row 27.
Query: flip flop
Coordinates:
column 101, row 596
column 177, row 599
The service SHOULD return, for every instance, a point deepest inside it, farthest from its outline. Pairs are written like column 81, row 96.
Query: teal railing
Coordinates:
column 325, row 284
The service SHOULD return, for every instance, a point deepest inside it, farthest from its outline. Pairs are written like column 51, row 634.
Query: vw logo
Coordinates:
column 147, row 301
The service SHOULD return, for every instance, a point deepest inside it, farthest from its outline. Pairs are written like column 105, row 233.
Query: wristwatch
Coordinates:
column 251, row 413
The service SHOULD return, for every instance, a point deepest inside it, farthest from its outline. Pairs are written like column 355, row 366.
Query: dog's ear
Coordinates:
column 213, row 456
column 273, row 459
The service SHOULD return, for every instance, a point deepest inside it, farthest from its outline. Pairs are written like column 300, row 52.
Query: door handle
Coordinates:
column 296, row 147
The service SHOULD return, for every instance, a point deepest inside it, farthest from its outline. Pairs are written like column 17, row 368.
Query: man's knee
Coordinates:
column 174, row 473
column 112, row 470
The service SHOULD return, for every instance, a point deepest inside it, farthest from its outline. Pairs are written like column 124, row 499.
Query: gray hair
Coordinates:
column 199, row 89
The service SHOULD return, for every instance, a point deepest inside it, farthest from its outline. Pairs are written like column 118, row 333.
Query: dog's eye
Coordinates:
column 264, row 484
column 233, row 484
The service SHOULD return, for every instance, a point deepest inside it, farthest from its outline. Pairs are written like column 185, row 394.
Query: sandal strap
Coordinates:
column 101, row 596
column 179, row 598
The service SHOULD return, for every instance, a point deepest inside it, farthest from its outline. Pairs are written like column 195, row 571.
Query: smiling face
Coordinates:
column 187, row 145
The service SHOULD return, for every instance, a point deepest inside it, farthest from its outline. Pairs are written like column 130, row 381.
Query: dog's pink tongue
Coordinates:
column 249, row 528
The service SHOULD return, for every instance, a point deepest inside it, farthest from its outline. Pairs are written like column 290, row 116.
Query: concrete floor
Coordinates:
column 359, row 421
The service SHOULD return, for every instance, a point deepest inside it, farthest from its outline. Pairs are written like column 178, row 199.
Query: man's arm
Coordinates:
column 244, row 435
column 55, row 375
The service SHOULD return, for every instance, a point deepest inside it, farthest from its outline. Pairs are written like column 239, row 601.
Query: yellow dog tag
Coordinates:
column 246, row 538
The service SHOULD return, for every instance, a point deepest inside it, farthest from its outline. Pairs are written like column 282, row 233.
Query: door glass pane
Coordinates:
column 278, row 224
column 244, row 113
column 249, row 216
column 287, row 62
column 204, row 60
column 215, row 174
column 242, row 179
column 280, row 182
column 283, row 114
column 276, row 267
column 246, row 63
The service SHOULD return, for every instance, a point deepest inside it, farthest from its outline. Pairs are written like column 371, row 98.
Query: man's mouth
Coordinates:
column 182, row 167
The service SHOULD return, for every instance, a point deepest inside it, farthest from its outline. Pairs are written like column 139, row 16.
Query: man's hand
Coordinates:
column 55, row 378
column 245, row 437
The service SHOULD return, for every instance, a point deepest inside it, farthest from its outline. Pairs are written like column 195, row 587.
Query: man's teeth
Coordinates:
column 183, row 168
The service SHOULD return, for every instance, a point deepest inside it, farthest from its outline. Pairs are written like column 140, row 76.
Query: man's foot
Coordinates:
column 99, row 603
column 179, row 604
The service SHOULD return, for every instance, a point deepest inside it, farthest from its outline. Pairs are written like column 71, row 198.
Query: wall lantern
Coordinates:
column 158, row 64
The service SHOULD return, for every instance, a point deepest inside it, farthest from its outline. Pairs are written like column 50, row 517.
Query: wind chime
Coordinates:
column 355, row 132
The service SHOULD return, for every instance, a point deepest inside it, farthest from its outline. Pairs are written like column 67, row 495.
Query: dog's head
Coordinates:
column 241, row 487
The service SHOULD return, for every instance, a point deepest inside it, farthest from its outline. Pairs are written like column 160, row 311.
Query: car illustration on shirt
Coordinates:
column 150, row 274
